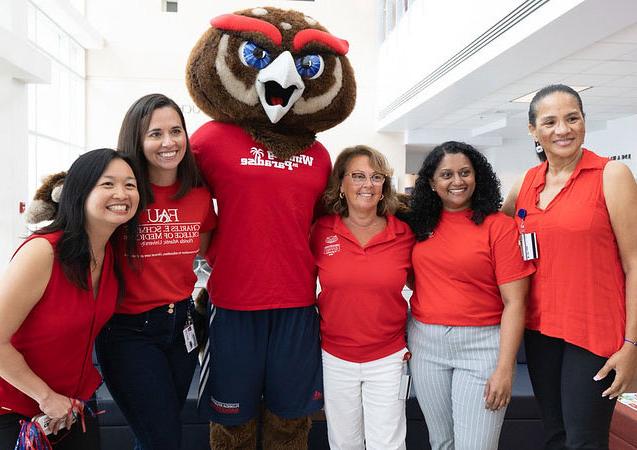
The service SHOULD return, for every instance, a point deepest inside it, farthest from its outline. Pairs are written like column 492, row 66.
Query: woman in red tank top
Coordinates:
column 581, row 338
column 58, row 291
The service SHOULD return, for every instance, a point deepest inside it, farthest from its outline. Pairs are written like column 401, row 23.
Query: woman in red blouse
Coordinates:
column 581, row 338
column 59, row 289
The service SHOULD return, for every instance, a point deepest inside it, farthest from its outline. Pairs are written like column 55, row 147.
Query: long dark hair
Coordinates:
column 74, row 249
column 426, row 206
column 131, row 142
column 544, row 92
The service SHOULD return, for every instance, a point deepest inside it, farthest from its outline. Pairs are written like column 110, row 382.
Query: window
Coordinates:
column 170, row 6
column 56, row 123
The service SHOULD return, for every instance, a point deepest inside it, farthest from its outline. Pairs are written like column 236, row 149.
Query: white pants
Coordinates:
column 361, row 403
column 450, row 367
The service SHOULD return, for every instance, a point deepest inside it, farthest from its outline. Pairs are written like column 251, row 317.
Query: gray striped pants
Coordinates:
column 450, row 367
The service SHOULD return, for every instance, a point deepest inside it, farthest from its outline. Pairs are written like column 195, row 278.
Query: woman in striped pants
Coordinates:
column 468, row 303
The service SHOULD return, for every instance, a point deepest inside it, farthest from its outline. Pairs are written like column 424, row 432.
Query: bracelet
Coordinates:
column 630, row 342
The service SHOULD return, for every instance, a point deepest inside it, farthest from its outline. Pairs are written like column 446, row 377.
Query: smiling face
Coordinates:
column 454, row 181
column 164, row 145
column 114, row 199
column 362, row 195
column 559, row 126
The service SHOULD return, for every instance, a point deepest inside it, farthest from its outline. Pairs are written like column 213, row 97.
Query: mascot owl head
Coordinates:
column 278, row 74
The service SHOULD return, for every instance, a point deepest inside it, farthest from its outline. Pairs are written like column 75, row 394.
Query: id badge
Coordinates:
column 405, row 387
column 190, row 338
column 528, row 246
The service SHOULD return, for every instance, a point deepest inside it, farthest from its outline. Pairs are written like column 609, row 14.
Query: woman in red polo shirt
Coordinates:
column 581, row 338
column 468, row 302
column 59, row 289
column 363, row 256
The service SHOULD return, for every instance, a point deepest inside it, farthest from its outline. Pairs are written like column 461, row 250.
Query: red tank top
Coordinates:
column 56, row 339
column 578, row 292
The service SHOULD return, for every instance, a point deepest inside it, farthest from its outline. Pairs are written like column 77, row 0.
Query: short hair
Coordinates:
column 331, row 197
column 426, row 206
column 544, row 92
column 131, row 142
column 73, row 249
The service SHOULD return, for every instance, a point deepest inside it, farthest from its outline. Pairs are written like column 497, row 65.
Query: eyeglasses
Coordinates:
column 360, row 178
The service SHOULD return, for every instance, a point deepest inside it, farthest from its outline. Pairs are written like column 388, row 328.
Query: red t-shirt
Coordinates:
column 362, row 310
column 579, row 291
column 56, row 338
column 459, row 268
column 168, row 243
column 260, row 252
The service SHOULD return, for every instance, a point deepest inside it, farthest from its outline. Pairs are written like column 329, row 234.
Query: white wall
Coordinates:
column 13, row 172
column 19, row 63
column 146, row 51
column 619, row 138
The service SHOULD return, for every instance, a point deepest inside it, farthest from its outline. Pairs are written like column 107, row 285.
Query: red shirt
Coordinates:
column 168, row 243
column 578, row 292
column 459, row 268
column 362, row 310
column 260, row 253
column 56, row 338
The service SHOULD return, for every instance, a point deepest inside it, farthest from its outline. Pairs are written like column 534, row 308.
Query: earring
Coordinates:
column 341, row 195
column 382, row 196
column 433, row 188
column 538, row 147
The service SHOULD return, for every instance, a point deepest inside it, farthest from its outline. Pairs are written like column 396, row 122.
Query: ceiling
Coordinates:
column 608, row 65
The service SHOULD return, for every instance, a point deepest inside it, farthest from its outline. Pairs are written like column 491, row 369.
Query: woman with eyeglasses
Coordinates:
column 363, row 256
column 468, row 303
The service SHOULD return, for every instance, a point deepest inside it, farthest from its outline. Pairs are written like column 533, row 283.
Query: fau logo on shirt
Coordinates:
column 272, row 161
column 162, row 215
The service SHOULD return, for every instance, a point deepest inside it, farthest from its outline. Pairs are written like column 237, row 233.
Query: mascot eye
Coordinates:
column 309, row 66
column 252, row 55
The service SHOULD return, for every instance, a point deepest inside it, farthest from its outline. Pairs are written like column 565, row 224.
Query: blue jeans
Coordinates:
column 148, row 372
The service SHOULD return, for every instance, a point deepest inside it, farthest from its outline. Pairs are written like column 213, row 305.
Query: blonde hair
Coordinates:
column 332, row 201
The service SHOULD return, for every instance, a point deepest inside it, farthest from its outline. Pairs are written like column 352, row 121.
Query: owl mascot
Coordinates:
column 271, row 79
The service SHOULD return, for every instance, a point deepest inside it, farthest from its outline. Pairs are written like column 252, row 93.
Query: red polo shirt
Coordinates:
column 459, row 268
column 362, row 310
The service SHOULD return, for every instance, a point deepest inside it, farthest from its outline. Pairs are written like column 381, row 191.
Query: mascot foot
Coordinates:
column 237, row 437
column 285, row 434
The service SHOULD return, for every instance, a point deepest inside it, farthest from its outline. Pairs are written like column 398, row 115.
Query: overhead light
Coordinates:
column 528, row 97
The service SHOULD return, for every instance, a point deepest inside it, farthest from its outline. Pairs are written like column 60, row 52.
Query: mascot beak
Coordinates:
column 279, row 86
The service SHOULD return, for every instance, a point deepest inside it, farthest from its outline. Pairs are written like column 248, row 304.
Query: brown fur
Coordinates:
column 239, row 437
column 285, row 434
column 294, row 132
column 44, row 206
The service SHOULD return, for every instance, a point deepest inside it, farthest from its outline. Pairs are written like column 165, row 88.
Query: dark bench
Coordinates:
column 522, row 428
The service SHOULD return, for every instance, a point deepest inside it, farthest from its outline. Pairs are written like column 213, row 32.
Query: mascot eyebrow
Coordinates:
column 235, row 22
column 303, row 37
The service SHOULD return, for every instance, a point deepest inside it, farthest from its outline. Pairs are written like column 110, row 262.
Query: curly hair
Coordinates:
column 426, row 206
column 332, row 201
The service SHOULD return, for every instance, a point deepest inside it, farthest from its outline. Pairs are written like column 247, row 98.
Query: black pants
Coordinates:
column 73, row 439
column 575, row 414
